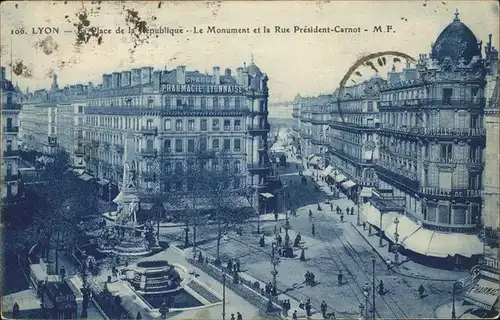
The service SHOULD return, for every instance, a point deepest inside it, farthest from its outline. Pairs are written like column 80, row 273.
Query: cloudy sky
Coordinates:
column 308, row 64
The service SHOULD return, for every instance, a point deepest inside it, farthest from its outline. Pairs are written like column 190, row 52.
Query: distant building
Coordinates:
column 11, row 106
column 280, row 110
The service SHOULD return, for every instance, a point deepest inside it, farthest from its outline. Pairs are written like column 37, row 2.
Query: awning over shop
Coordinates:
column 483, row 293
column 372, row 216
column 315, row 160
column 406, row 228
column 267, row 195
column 348, row 184
column 85, row 177
column 103, row 182
column 327, row 171
column 78, row 171
column 450, row 244
column 366, row 192
column 118, row 198
column 438, row 244
column 333, row 174
column 340, row 178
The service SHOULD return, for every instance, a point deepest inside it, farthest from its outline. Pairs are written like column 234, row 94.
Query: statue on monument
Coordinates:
column 133, row 207
column 130, row 176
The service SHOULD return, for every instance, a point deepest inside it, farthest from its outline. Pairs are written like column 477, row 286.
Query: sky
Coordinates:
column 308, row 64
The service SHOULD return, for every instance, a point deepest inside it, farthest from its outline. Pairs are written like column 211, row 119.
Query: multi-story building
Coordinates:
column 431, row 145
column 11, row 106
column 353, row 137
column 320, row 120
column 484, row 289
column 173, row 115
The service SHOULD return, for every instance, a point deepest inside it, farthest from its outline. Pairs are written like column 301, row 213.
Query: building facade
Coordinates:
column 353, row 136
column 11, row 106
column 174, row 115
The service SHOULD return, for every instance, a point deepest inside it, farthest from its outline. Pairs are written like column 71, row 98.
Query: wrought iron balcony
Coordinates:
column 149, row 152
column 149, row 130
column 435, row 132
column 454, row 102
column 258, row 166
column 11, row 153
column 264, row 128
column 471, row 162
column 457, row 193
column 11, row 129
column 11, row 106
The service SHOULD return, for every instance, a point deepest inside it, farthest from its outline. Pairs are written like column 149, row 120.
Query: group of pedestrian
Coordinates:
column 269, row 288
column 309, row 276
column 235, row 267
column 238, row 316
column 307, row 307
column 297, row 240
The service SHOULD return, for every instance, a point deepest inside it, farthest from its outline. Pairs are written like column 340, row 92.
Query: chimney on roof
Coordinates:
column 239, row 76
column 216, row 71
column 227, row 72
column 3, row 73
column 180, row 74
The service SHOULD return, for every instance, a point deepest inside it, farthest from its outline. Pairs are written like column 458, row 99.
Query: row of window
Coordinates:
column 200, row 144
column 192, row 125
column 202, row 102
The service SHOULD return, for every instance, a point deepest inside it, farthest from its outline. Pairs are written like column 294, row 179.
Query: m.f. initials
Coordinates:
column 379, row 29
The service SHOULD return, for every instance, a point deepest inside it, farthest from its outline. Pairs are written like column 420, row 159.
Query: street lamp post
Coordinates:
column 224, row 295
column 457, row 289
column 380, row 244
column 373, row 288
column 275, row 260
column 366, row 292
column 358, row 222
column 396, row 238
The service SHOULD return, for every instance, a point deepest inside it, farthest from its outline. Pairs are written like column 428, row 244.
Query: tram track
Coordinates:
column 354, row 255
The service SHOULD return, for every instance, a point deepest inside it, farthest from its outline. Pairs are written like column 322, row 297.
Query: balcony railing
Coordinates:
column 11, row 153
column 431, row 102
column 258, row 128
column 454, row 161
column 401, row 175
column 437, row 131
column 258, row 166
column 454, row 102
column 149, row 130
column 11, row 106
column 469, row 193
column 12, row 129
column 149, row 152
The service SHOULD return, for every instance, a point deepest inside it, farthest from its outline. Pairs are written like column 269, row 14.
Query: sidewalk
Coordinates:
column 294, row 304
column 461, row 310
column 407, row 268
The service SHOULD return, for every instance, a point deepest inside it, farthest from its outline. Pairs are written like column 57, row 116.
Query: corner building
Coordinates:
column 174, row 114
column 431, row 146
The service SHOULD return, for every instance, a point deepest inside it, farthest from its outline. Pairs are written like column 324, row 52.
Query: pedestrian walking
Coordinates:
column 238, row 265
column 232, row 316
column 352, row 211
column 313, row 229
column 294, row 316
column 308, row 307
column 239, row 316
column 340, row 277
column 310, row 213
column 62, row 272
column 15, row 310
column 364, row 225
column 341, row 217
column 323, row 308
column 331, row 207
column 421, row 291
column 138, row 316
column 381, row 288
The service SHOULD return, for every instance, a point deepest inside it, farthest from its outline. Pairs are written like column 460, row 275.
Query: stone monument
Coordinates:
column 125, row 237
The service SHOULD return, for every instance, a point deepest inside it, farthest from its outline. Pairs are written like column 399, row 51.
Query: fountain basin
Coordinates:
column 155, row 277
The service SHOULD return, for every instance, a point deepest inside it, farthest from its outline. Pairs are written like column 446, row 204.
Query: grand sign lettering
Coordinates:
column 200, row 80
column 479, row 289
column 191, row 88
